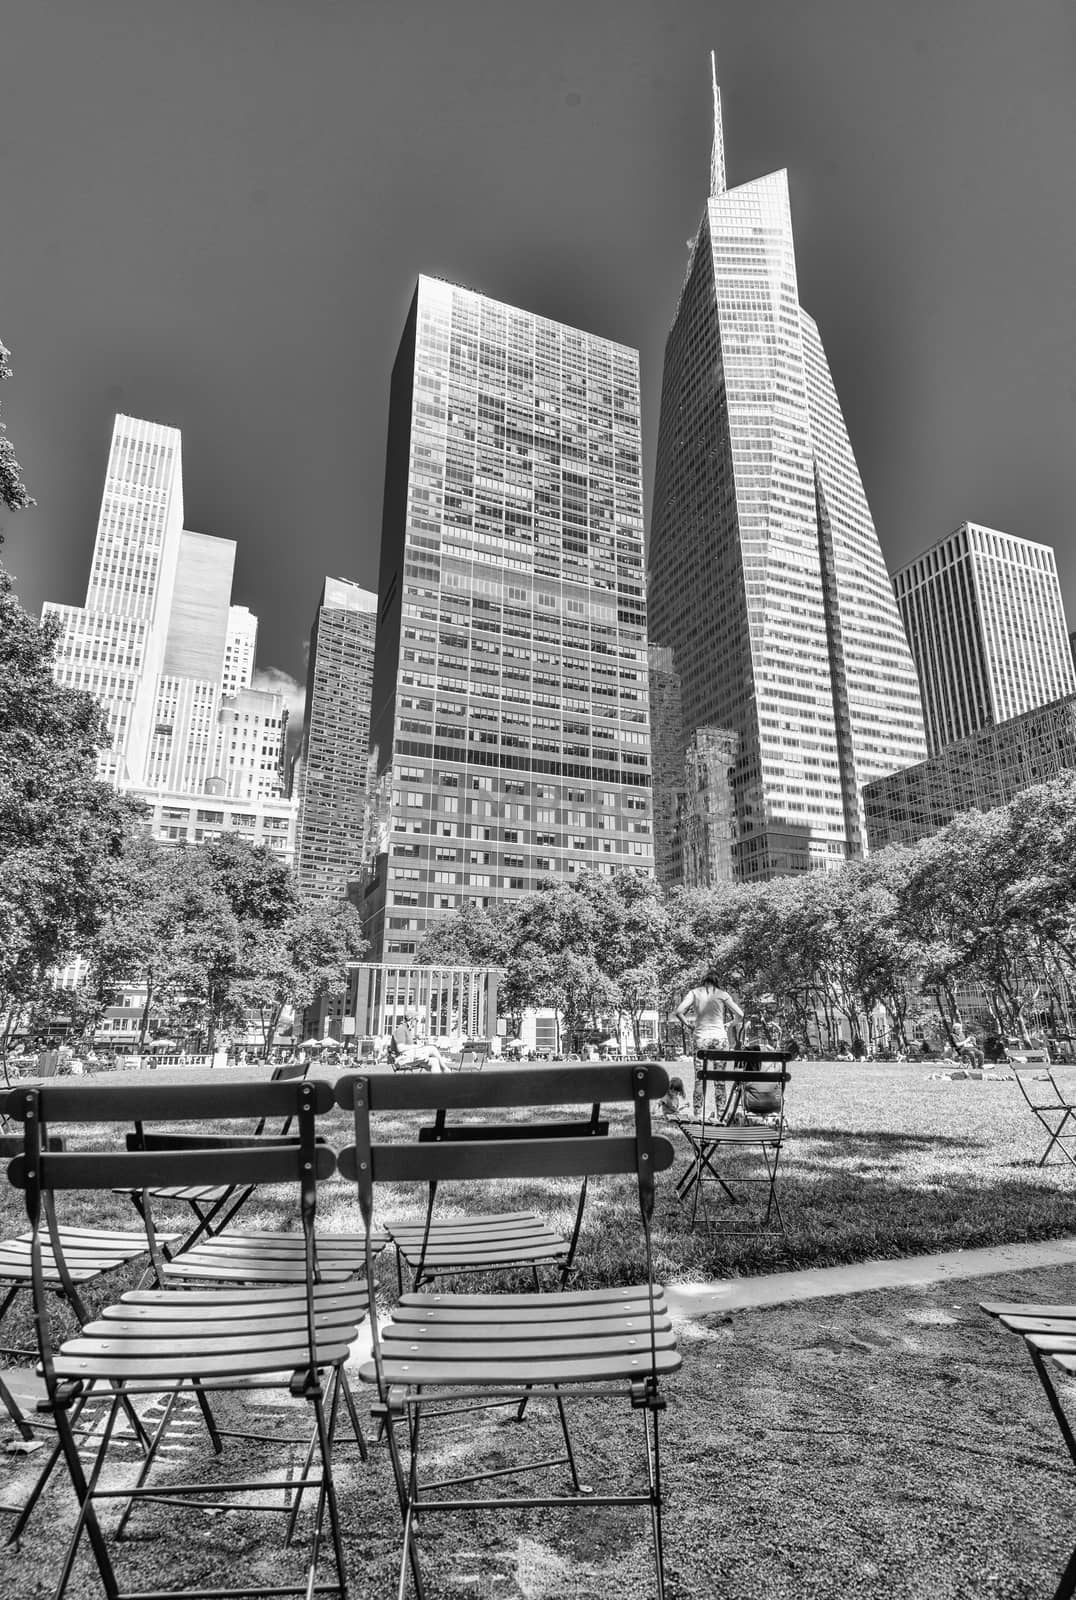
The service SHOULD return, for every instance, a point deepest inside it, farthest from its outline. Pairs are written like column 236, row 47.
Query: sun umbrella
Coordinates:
column 311, row 1044
column 163, row 1044
column 607, row 1044
column 331, row 1044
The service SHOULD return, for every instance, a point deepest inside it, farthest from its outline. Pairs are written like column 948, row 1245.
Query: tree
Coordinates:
column 13, row 492
column 298, row 960
column 59, row 826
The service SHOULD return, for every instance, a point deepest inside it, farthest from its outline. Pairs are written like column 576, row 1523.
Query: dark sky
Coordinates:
column 213, row 212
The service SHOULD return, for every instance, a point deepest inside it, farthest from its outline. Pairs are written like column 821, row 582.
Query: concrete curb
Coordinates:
column 689, row 1301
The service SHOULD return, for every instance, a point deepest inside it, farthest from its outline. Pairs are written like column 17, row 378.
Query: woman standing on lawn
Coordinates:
column 712, row 1006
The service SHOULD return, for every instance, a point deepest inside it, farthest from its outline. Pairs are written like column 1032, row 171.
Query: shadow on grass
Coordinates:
column 848, row 1142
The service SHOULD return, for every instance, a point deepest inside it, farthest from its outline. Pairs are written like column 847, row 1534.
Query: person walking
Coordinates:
column 709, row 1009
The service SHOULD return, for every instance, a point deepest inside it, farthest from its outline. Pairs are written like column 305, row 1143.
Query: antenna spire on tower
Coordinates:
column 717, row 153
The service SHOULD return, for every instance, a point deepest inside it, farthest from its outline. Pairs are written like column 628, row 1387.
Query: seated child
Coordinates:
column 674, row 1103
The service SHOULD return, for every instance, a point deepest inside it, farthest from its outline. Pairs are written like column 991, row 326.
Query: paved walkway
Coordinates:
column 689, row 1301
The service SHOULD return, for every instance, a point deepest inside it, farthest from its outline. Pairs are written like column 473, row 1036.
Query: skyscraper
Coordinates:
column 240, row 647
column 510, row 706
column 114, row 645
column 335, row 746
column 152, row 645
column 986, row 623
column 766, row 578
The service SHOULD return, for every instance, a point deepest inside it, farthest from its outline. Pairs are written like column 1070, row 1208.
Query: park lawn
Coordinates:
column 880, row 1160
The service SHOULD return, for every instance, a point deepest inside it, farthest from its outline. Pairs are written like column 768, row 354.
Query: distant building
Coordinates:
column 190, row 819
column 667, row 757
column 767, row 581
column 707, row 819
column 510, row 702
column 330, row 768
column 114, row 645
column 252, row 729
column 974, row 774
column 986, row 624
column 240, row 649
column 159, row 644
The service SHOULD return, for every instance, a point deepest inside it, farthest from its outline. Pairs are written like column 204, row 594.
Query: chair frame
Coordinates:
column 147, row 1344
column 1055, row 1117
column 561, row 1364
column 738, row 1070
column 1049, row 1335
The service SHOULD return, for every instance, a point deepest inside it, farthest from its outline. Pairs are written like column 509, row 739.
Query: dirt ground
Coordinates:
column 894, row 1443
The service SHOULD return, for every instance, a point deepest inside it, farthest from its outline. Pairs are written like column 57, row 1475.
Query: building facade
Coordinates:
column 978, row 773
column 331, row 775
column 113, row 647
column 766, row 578
column 157, row 642
column 240, row 649
column 986, row 623
column 510, row 706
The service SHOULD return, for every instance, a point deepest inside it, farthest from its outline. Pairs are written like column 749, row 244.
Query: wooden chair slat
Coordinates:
column 425, row 1163
column 462, row 1373
column 79, row 1101
column 528, row 1328
column 165, row 1366
column 142, row 1169
column 477, row 1316
column 610, row 1344
column 575, row 1084
column 580, row 1298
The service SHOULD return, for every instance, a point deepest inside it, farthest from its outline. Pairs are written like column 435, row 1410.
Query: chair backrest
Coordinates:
column 757, row 1078
column 41, row 1170
column 1049, row 1097
column 473, row 1057
column 524, row 1153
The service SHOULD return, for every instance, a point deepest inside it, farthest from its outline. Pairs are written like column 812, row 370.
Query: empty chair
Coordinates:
column 1053, row 1109
column 189, row 1344
column 441, row 1352
column 737, row 1151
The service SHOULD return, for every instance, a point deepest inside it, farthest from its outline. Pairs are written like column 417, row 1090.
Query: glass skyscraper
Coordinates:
column 333, row 757
column 510, row 703
column 766, row 578
column 986, row 622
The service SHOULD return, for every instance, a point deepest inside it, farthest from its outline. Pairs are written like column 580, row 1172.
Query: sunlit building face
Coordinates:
column 510, row 704
column 766, row 579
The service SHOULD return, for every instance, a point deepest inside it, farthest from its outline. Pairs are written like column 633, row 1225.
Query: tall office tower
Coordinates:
column 766, row 578
column 985, row 620
column 332, row 760
column 183, row 745
column 510, row 704
column 251, row 733
column 114, row 645
column 239, row 650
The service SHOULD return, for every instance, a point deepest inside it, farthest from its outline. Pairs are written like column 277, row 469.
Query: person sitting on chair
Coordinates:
column 426, row 1057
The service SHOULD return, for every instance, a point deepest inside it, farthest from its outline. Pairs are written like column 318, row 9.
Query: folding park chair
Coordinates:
column 1049, row 1334
column 1053, row 1109
column 750, row 1122
column 476, row 1242
column 214, row 1204
column 455, row 1354
column 86, row 1255
column 473, row 1058
column 187, row 1343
